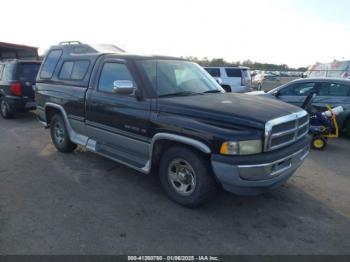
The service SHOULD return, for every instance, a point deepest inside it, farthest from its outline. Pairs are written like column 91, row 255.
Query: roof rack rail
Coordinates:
column 70, row 43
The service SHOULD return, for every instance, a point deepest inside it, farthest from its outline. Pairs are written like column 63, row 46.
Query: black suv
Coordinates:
column 17, row 78
column 169, row 114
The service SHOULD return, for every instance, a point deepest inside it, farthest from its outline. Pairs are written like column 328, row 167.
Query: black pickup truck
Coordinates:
column 168, row 115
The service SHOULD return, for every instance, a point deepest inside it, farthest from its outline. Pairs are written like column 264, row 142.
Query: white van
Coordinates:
column 232, row 79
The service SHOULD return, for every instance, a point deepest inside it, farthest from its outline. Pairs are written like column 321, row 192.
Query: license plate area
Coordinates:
column 29, row 105
column 281, row 166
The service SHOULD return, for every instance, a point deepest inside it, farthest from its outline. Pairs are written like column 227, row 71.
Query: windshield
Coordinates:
column 27, row 71
column 276, row 89
column 176, row 77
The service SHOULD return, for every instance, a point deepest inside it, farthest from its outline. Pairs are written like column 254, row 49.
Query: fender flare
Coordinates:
column 182, row 139
column 73, row 136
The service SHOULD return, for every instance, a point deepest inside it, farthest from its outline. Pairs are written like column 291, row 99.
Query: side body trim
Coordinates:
column 91, row 144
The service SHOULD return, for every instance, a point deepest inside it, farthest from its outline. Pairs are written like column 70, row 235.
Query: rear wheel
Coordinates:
column 227, row 88
column 319, row 143
column 59, row 135
column 186, row 176
column 5, row 109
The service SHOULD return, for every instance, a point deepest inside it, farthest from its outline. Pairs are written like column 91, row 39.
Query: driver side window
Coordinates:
column 111, row 72
column 302, row 89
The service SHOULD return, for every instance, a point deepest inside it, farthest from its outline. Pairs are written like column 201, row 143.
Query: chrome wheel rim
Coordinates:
column 182, row 177
column 58, row 132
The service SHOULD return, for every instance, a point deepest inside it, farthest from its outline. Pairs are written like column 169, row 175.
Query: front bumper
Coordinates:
column 256, row 177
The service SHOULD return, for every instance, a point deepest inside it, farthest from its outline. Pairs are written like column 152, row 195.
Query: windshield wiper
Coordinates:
column 212, row 91
column 182, row 93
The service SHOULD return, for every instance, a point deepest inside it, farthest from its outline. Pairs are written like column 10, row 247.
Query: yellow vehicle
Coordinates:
column 323, row 126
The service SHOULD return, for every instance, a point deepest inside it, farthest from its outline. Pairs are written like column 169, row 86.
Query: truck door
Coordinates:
column 118, row 122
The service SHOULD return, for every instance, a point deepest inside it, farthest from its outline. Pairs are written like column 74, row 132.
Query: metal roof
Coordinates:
column 16, row 51
column 9, row 47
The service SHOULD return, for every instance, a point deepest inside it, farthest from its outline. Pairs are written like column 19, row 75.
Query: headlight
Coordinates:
column 248, row 147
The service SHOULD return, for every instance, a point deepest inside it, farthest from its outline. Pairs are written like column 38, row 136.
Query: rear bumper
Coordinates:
column 20, row 104
column 257, row 176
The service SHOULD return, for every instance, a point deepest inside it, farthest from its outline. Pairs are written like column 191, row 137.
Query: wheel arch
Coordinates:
column 52, row 108
column 162, row 141
column 50, row 111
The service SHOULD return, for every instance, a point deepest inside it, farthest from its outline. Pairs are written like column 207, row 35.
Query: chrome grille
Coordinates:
column 285, row 130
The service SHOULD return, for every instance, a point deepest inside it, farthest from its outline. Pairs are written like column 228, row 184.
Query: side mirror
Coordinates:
column 218, row 80
column 123, row 87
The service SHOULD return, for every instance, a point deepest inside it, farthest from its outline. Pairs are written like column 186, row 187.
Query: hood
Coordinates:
column 229, row 108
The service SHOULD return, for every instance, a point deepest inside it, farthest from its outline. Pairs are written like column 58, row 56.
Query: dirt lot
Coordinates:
column 53, row 203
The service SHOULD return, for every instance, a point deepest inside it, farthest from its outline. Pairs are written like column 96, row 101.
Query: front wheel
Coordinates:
column 319, row 142
column 186, row 176
column 5, row 109
column 59, row 135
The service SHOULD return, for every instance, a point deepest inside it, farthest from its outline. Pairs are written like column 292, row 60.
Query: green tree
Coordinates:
column 248, row 63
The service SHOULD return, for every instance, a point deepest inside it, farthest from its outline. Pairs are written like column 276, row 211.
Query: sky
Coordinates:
column 293, row 32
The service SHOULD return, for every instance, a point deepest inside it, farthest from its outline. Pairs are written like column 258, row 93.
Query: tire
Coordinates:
column 227, row 88
column 186, row 176
column 5, row 109
column 319, row 143
column 59, row 135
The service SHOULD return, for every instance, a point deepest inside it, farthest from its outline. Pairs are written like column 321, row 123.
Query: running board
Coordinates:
column 125, row 158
